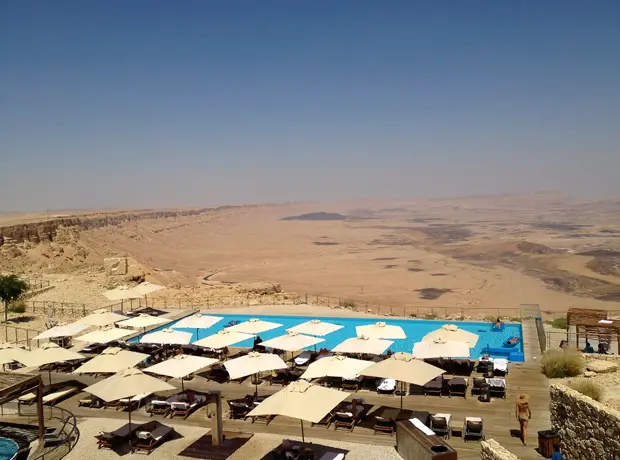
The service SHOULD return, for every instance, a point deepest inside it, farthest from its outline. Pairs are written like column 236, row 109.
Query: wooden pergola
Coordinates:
column 576, row 315
column 14, row 385
column 605, row 331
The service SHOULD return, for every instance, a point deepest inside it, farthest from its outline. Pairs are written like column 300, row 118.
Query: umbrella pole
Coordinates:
column 182, row 385
column 256, row 384
column 129, row 413
column 401, row 395
column 303, row 439
column 49, row 370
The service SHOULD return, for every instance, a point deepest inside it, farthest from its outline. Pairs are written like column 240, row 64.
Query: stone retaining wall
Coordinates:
column 588, row 430
column 492, row 450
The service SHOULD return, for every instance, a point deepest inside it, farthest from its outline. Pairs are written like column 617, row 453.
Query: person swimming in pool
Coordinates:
column 512, row 341
column 231, row 323
column 498, row 324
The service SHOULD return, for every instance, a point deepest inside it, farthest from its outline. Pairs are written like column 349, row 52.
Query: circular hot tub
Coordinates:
column 8, row 449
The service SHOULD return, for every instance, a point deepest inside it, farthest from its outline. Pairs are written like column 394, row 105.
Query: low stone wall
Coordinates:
column 492, row 450
column 597, row 357
column 588, row 430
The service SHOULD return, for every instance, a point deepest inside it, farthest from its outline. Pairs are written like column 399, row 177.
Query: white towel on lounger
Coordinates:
column 386, row 385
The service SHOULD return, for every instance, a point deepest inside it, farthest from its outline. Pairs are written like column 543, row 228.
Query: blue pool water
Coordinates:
column 414, row 329
column 8, row 449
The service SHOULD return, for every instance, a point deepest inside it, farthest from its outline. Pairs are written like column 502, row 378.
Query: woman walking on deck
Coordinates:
column 523, row 414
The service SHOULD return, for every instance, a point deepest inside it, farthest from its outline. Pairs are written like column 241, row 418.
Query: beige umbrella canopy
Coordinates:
column 440, row 349
column 101, row 318
column 105, row 335
column 452, row 333
column 253, row 363
column 167, row 337
column 121, row 293
column 112, row 359
column 254, row 326
column 127, row 384
column 291, row 341
column 49, row 353
column 404, row 368
column 381, row 330
column 363, row 345
column 143, row 321
column 336, row 366
column 147, row 288
column 9, row 354
column 181, row 366
column 197, row 321
column 223, row 338
column 68, row 330
column 301, row 400
column 315, row 327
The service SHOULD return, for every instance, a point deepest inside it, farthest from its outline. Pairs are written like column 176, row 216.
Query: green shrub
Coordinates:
column 588, row 388
column 430, row 315
column 560, row 323
column 556, row 364
column 347, row 304
column 19, row 306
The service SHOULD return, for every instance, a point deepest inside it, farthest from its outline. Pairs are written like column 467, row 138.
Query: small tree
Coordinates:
column 11, row 289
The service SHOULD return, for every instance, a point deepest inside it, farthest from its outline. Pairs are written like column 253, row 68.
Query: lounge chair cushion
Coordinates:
column 446, row 417
column 386, row 385
column 303, row 358
column 500, row 364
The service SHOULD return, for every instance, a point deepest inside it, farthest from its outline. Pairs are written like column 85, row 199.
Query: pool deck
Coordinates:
column 498, row 415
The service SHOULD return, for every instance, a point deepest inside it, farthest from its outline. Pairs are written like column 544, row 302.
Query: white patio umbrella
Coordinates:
column 112, row 359
column 315, row 327
column 101, row 318
column 9, row 354
column 292, row 341
column 440, row 349
column 105, row 335
column 381, row 330
column 300, row 400
column 223, row 338
column 197, row 321
column 403, row 368
column 68, row 330
column 253, row 363
column 142, row 321
column 363, row 345
column 167, row 337
column 146, row 288
column 121, row 293
column 127, row 384
column 254, row 326
column 452, row 333
column 181, row 366
column 48, row 353
column 336, row 366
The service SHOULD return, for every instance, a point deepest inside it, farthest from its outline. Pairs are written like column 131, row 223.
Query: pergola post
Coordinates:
column 40, row 410
column 217, row 438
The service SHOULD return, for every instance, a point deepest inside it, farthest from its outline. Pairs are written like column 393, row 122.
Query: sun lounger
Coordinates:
column 473, row 428
column 325, row 421
column 352, row 384
column 500, row 366
column 457, row 386
column 303, row 358
column 349, row 415
column 440, row 424
column 158, row 406
column 52, row 398
column 497, row 387
column 91, row 401
column 384, row 425
column 113, row 439
column 148, row 439
column 386, row 386
column 479, row 385
column 332, row 456
column 184, row 408
column 434, row 387
column 239, row 409
column 132, row 403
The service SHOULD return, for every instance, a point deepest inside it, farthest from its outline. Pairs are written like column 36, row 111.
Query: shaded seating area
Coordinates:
column 149, row 436
column 183, row 404
column 434, row 387
column 284, row 377
column 115, row 439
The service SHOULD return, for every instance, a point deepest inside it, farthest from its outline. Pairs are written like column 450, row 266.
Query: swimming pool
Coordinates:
column 414, row 329
column 8, row 449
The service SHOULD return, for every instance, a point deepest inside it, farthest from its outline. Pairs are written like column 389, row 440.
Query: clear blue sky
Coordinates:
column 159, row 103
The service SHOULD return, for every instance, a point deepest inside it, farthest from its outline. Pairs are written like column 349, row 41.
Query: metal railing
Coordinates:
column 66, row 437
column 554, row 338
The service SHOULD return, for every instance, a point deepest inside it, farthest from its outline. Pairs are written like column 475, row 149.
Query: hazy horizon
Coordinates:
column 150, row 104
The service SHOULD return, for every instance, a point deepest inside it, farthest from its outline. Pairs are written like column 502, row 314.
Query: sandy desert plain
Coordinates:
column 482, row 252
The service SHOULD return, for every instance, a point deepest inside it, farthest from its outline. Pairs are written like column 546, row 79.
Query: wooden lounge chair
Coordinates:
column 325, row 421
column 185, row 408
column 149, row 437
column 239, row 409
column 114, row 439
column 440, row 424
column 384, row 425
column 348, row 384
column 434, row 387
column 497, row 388
column 52, row 398
column 158, row 406
column 473, row 428
column 91, row 401
column 131, row 403
column 349, row 415
column 457, row 386
column 479, row 385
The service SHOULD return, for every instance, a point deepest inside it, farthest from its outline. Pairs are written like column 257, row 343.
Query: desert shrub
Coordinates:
column 560, row 323
column 19, row 306
column 588, row 388
column 490, row 319
column 430, row 315
column 347, row 304
column 556, row 364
